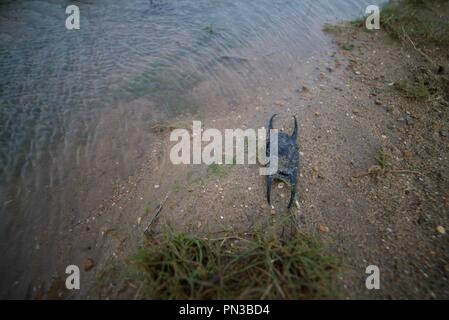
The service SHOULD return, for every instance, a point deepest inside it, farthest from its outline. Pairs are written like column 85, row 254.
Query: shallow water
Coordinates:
column 76, row 106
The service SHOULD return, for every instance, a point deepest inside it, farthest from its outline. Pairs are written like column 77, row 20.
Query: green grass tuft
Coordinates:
column 187, row 267
column 217, row 170
column 383, row 160
column 347, row 47
column 414, row 90
column 413, row 19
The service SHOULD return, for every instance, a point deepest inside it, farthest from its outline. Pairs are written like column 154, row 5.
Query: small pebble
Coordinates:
column 88, row 264
column 441, row 230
